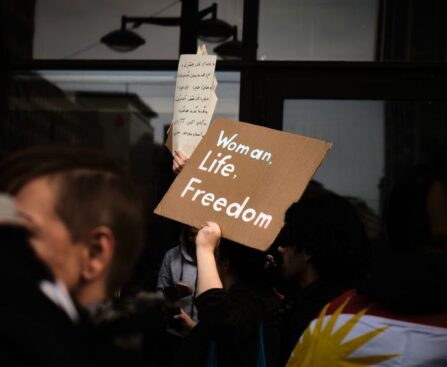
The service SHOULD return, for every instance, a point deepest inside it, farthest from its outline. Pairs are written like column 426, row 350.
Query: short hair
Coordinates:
column 250, row 264
column 329, row 229
column 91, row 189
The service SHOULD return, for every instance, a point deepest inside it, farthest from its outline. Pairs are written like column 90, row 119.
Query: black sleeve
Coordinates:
column 236, row 315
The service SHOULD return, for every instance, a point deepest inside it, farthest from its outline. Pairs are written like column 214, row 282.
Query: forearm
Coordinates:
column 208, row 276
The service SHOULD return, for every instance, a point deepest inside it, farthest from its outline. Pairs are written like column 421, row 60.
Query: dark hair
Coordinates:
column 91, row 189
column 328, row 228
column 406, row 219
column 371, row 221
column 25, row 165
column 250, row 265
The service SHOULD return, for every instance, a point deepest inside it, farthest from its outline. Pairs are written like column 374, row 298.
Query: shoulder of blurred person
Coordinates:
column 132, row 328
column 299, row 308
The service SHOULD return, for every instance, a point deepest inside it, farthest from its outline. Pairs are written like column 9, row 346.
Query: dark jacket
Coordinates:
column 232, row 319
column 299, row 308
column 34, row 331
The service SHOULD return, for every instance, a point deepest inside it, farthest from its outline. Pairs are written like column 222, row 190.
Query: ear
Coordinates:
column 307, row 256
column 100, row 248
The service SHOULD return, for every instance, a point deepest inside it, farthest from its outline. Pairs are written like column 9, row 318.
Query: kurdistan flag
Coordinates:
column 351, row 332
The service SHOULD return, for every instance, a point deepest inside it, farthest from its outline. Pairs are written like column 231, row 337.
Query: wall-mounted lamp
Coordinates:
column 214, row 30
column 123, row 40
column 231, row 49
column 191, row 23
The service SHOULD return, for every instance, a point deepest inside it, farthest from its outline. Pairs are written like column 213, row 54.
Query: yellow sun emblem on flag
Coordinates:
column 324, row 347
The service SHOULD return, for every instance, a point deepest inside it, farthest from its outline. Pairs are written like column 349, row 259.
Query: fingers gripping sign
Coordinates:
column 208, row 237
column 179, row 161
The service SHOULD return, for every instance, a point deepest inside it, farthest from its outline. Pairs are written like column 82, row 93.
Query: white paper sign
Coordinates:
column 194, row 100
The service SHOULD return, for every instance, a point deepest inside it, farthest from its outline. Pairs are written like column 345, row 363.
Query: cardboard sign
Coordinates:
column 244, row 177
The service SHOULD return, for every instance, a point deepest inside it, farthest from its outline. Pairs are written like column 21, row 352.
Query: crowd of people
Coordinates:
column 324, row 294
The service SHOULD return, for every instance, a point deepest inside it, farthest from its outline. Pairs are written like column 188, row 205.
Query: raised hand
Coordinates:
column 179, row 161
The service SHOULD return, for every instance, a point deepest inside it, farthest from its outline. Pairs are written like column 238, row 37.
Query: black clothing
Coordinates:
column 232, row 319
column 34, row 331
column 134, row 328
column 409, row 283
column 299, row 308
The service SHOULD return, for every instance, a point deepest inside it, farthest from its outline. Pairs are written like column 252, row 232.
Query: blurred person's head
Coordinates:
column 238, row 263
column 416, row 212
column 371, row 221
column 188, row 240
column 323, row 238
column 84, row 214
column 189, row 234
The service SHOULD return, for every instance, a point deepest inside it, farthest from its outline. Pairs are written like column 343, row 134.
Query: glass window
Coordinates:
column 65, row 29
column 72, row 30
column 355, row 164
column 318, row 30
column 145, row 94
column 124, row 113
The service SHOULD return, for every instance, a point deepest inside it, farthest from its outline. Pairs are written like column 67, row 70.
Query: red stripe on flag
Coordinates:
column 359, row 302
